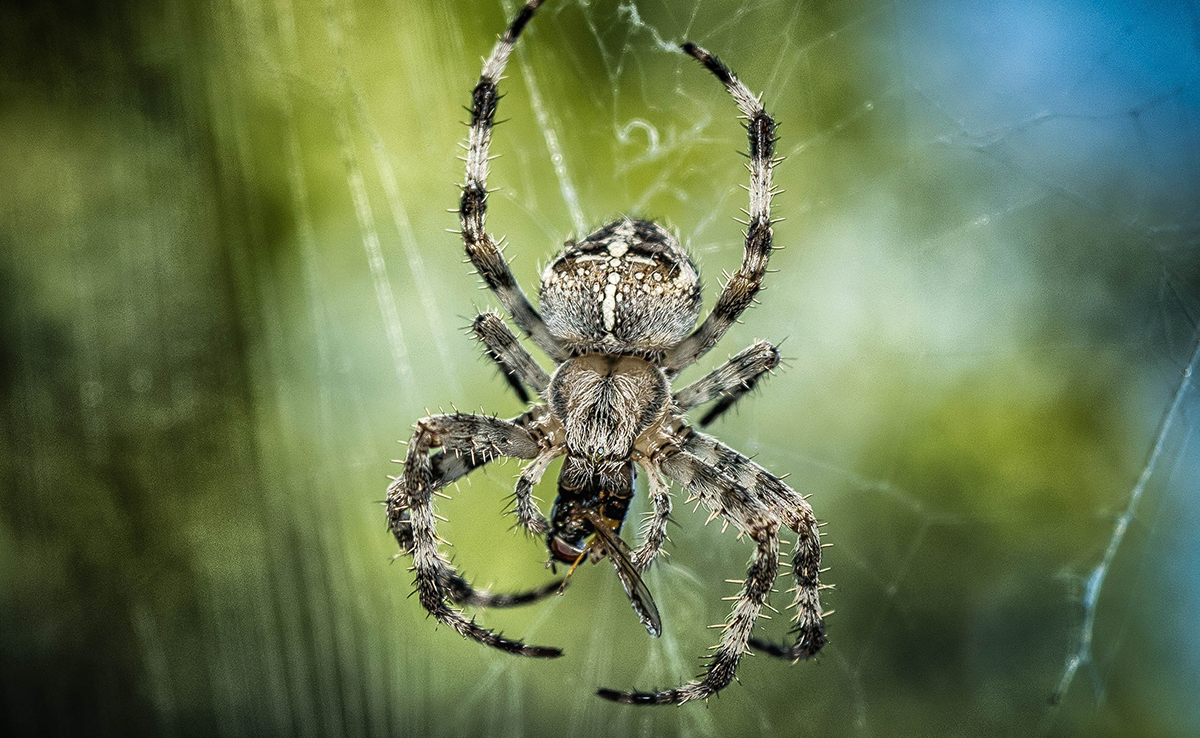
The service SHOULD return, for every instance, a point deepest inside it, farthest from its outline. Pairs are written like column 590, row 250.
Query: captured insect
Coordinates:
column 618, row 316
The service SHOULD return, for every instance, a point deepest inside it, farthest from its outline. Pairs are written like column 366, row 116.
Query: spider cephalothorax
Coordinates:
column 618, row 318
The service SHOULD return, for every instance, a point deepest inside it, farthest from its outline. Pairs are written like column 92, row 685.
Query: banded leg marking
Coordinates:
column 738, row 293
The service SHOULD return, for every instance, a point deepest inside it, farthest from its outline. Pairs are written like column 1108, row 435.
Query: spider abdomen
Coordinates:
column 627, row 288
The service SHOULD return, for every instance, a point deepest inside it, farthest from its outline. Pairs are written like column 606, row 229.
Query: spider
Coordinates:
column 617, row 315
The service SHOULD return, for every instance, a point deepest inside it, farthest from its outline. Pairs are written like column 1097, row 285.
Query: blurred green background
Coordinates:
column 226, row 291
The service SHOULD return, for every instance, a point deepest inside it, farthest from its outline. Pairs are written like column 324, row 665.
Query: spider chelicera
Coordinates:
column 617, row 315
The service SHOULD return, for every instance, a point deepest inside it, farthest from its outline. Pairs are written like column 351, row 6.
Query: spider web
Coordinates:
column 232, row 286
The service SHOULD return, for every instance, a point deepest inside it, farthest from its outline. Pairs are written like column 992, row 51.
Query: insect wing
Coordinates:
column 635, row 588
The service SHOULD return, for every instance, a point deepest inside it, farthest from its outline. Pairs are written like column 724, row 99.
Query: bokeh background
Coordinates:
column 226, row 290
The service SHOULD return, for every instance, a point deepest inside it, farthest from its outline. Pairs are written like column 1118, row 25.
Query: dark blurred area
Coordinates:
column 226, row 291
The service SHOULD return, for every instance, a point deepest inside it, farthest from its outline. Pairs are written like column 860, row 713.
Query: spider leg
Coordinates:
column 460, row 590
column 741, row 288
column 524, row 507
column 412, row 520
column 726, row 497
column 503, row 348
column 729, row 382
column 796, row 514
column 447, row 468
column 654, row 534
column 462, row 593
column 484, row 253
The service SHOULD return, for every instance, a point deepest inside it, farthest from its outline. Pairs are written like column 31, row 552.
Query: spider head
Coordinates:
column 629, row 287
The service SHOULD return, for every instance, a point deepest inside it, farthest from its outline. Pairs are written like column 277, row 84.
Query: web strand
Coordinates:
column 1082, row 655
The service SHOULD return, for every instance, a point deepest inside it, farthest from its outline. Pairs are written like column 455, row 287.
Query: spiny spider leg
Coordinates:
column 744, row 285
column 460, row 590
column 411, row 517
column 482, row 250
column 793, row 510
column 723, row 496
column 462, row 593
column 796, row 514
column 448, row 468
column 809, row 628
column 741, row 288
column 654, row 534
column 502, row 347
column 528, row 515
column 729, row 382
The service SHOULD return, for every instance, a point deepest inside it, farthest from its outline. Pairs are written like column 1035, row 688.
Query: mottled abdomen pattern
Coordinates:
column 629, row 287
